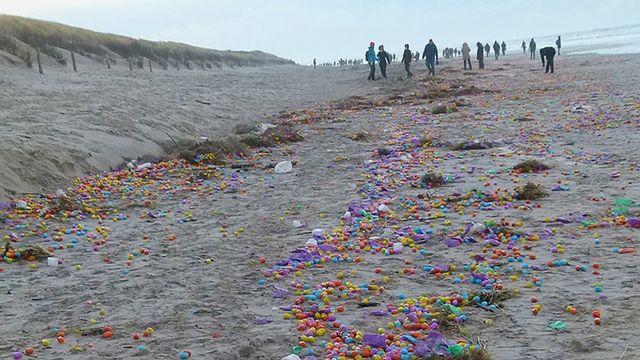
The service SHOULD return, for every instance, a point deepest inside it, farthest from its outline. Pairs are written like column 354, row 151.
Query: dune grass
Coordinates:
column 20, row 35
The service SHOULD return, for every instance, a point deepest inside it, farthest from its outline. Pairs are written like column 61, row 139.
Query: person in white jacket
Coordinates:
column 466, row 58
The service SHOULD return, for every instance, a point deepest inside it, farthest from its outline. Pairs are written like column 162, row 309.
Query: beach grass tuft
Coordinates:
column 530, row 191
column 472, row 145
column 530, row 166
column 432, row 180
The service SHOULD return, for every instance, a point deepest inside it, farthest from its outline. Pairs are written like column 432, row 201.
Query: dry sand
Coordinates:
column 62, row 124
column 211, row 309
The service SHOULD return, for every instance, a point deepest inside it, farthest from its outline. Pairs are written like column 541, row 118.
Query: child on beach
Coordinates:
column 407, row 56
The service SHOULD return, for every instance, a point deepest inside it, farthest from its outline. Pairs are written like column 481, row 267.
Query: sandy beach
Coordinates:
column 241, row 262
column 63, row 124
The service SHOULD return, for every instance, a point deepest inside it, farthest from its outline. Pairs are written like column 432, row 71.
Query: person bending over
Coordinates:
column 548, row 53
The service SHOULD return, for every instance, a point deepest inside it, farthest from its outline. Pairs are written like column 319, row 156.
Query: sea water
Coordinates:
column 614, row 40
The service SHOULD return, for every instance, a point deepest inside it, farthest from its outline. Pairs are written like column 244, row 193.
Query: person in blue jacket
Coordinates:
column 430, row 53
column 371, row 58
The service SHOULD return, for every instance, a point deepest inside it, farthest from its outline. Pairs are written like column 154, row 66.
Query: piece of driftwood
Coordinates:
column 73, row 62
column 39, row 63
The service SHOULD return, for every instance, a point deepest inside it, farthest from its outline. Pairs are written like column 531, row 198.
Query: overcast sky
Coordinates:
column 329, row 29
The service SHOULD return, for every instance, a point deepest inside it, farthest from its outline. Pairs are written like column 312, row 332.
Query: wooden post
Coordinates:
column 178, row 65
column 150, row 68
column 189, row 65
column 130, row 66
column 39, row 62
column 108, row 65
column 73, row 62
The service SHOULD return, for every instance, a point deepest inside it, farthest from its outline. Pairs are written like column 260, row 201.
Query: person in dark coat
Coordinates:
column 480, row 55
column 559, row 44
column 496, row 49
column 548, row 53
column 524, row 47
column 532, row 48
column 407, row 56
column 383, row 60
column 430, row 54
column 487, row 49
column 504, row 48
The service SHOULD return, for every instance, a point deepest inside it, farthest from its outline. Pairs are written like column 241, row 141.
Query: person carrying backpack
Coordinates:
column 370, row 57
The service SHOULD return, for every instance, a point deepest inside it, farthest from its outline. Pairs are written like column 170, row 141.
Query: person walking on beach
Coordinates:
column 383, row 60
column 504, row 48
column 524, row 47
column 559, row 44
column 532, row 48
column 417, row 57
column 466, row 57
column 487, row 49
column 314, row 63
column 496, row 49
column 407, row 56
column 370, row 57
column 548, row 53
column 430, row 54
column 480, row 55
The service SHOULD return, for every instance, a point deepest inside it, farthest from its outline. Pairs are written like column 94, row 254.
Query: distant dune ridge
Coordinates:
column 21, row 37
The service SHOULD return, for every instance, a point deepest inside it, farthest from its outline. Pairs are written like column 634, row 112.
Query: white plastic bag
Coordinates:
column 291, row 357
column 283, row 167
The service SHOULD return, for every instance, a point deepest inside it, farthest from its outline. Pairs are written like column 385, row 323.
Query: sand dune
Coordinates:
column 62, row 124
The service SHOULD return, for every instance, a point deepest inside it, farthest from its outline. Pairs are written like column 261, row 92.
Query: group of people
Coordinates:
column 341, row 62
column 430, row 55
column 546, row 53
